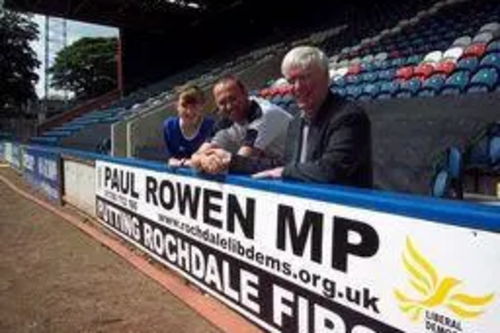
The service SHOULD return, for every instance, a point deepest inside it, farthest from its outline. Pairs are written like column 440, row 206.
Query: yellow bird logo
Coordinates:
column 434, row 291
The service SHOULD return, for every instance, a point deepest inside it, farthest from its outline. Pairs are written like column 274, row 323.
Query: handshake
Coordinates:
column 211, row 160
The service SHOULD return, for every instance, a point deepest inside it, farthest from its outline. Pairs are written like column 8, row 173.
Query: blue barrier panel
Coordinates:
column 293, row 257
column 2, row 151
column 13, row 155
column 41, row 168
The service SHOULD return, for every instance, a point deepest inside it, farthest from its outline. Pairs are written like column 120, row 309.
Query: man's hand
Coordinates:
column 215, row 161
column 275, row 173
column 177, row 163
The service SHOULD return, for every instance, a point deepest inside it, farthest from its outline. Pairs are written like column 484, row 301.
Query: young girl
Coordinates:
column 186, row 133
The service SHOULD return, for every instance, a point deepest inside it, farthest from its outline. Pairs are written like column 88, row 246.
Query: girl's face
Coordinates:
column 189, row 109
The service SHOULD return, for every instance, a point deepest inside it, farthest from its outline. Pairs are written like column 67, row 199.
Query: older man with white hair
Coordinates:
column 328, row 142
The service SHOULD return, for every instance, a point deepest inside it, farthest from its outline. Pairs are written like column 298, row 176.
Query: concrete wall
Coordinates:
column 79, row 184
column 145, row 136
column 119, row 139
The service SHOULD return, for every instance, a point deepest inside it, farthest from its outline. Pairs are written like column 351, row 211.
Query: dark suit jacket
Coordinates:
column 339, row 147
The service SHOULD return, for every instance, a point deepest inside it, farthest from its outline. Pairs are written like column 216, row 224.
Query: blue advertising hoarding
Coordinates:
column 2, row 151
column 41, row 169
column 13, row 155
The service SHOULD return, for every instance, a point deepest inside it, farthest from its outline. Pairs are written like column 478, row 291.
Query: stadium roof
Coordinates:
column 143, row 14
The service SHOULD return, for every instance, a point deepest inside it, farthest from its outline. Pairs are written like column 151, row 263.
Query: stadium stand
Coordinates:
column 418, row 50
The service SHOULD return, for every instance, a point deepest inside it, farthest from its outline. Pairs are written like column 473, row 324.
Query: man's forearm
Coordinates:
column 248, row 165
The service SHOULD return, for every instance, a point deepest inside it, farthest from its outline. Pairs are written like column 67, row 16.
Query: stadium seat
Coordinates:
column 491, row 60
column 353, row 91
column 475, row 50
column 388, row 89
column 413, row 60
column 409, row 88
column 483, row 37
column 493, row 47
column 491, row 27
column 370, row 91
column 484, row 80
column 453, row 54
column 367, row 59
column 445, row 67
column 447, row 181
column 398, row 62
column 467, row 65
column 339, row 91
column 432, row 86
column 354, row 62
column 456, row 83
column 463, row 41
column 404, row 73
column 367, row 67
column 382, row 64
column 386, row 75
column 433, row 57
column 381, row 56
column 339, row 82
column 352, row 79
column 423, row 71
column 483, row 151
column 368, row 77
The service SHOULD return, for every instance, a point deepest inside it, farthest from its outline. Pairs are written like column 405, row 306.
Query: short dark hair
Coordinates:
column 191, row 93
column 231, row 78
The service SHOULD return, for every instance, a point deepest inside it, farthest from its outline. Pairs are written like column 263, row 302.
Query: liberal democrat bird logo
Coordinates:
column 434, row 291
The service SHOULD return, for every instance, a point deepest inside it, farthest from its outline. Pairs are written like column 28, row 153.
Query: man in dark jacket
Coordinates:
column 329, row 142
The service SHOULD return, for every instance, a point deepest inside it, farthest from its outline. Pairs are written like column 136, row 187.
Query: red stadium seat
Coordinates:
column 354, row 69
column 266, row 92
column 284, row 89
column 475, row 50
column 404, row 73
column 445, row 67
column 423, row 71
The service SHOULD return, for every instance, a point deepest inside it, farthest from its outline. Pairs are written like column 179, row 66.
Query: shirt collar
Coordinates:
column 330, row 99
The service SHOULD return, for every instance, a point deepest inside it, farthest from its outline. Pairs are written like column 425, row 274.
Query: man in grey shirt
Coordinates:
column 250, row 127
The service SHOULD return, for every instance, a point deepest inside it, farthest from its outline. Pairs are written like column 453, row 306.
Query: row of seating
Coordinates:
column 481, row 155
column 53, row 136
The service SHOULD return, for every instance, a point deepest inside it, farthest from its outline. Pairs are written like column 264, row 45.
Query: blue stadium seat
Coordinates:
column 491, row 60
column 484, row 80
column 398, row 62
column 370, row 91
column 383, row 65
column 388, row 89
column 484, row 150
column 276, row 100
column 467, row 64
column 447, row 181
column 456, row 84
column 413, row 60
column 339, row 91
column 368, row 67
column 387, row 75
column 409, row 88
column 369, row 77
column 353, row 91
column 352, row 79
column 288, row 99
column 494, row 150
column 339, row 82
column 432, row 86
column 493, row 47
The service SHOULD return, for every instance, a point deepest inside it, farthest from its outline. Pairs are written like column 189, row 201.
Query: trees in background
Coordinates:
column 18, row 60
column 87, row 67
